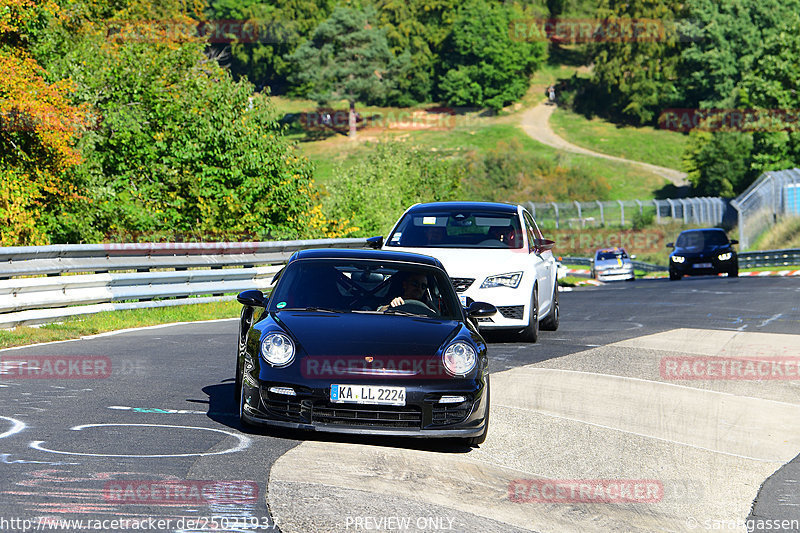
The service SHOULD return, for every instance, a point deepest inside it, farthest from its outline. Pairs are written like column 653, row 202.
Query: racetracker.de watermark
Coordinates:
column 195, row 492
column 585, row 491
column 730, row 120
column 435, row 119
column 55, row 366
column 729, row 368
column 70, row 121
column 587, row 241
column 214, row 31
column 368, row 367
column 596, row 30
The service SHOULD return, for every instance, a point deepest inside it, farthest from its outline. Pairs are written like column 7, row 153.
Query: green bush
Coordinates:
column 372, row 193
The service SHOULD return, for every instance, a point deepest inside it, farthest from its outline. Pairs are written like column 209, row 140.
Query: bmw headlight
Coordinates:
column 725, row 256
column 511, row 279
column 277, row 349
column 459, row 358
column 678, row 259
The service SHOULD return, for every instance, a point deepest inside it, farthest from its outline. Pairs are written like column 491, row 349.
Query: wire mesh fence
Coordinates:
column 632, row 213
column 772, row 196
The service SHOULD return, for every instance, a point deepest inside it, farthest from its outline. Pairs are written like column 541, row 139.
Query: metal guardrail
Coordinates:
column 776, row 258
column 639, row 265
column 86, row 278
column 766, row 258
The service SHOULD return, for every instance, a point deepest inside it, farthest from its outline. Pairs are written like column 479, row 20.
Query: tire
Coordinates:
column 550, row 323
column 531, row 333
column 242, row 420
column 244, row 327
column 475, row 441
column 733, row 273
column 674, row 276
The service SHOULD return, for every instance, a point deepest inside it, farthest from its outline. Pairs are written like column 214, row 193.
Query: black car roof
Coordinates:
column 464, row 206
column 377, row 255
column 702, row 229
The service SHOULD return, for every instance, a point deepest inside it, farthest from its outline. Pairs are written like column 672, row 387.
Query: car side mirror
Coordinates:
column 252, row 298
column 481, row 309
column 670, row 245
column 734, row 241
column 542, row 245
column 375, row 242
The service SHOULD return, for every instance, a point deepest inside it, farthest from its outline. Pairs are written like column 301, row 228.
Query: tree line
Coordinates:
column 731, row 55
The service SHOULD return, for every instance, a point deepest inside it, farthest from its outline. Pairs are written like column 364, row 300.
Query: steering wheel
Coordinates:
column 416, row 307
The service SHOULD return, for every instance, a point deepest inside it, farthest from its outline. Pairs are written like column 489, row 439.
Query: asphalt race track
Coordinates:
column 608, row 424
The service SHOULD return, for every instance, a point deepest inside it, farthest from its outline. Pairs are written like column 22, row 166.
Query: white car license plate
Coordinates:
column 370, row 394
column 702, row 265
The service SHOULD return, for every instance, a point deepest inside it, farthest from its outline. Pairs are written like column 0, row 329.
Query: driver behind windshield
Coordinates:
column 414, row 286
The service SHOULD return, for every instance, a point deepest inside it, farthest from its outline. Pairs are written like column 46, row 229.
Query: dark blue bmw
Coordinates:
column 363, row 341
column 702, row 252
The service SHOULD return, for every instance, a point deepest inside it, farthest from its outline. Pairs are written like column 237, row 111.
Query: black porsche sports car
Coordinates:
column 702, row 251
column 363, row 341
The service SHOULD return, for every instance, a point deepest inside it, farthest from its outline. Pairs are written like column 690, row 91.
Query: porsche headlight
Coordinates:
column 459, row 358
column 277, row 349
column 678, row 259
column 510, row 279
column 725, row 256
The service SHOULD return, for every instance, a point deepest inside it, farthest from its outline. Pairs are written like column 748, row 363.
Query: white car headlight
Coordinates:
column 459, row 358
column 510, row 279
column 725, row 256
column 678, row 259
column 277, row 349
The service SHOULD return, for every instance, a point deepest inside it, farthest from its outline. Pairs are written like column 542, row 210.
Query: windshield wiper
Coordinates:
column 314, row 309
column 395, row 311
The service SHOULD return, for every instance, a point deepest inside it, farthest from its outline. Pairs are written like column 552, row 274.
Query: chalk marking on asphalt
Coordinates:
column 16, row 426
column 662, row 439
column 244, row 443
column 770, row 319
column 157, row 410
column 6, row 459
column 118, row 332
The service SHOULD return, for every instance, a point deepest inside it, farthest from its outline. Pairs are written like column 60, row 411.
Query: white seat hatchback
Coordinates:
column 493, row 252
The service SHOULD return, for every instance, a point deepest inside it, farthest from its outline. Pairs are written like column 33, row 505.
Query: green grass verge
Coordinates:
column 654, row 146
column 76, row 327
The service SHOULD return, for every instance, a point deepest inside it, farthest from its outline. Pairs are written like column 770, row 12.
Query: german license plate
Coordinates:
column 369, row 394
column 702, row 265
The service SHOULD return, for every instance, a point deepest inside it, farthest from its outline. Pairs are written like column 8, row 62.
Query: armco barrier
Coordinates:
column 129, row 276
column 776, row 258
column 766, row 258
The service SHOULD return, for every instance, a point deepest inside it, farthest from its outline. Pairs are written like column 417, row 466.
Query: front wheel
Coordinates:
column 734, row 273
column 551, row 322
column 531, row 333
column 674, row 276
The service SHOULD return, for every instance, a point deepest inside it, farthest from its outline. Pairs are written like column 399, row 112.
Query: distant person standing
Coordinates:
column 551, row 94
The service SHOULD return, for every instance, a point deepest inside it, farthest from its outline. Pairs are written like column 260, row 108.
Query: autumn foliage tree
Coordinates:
column 38, row 128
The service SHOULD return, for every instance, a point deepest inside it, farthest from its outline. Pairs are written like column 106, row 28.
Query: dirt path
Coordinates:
column 536, row 123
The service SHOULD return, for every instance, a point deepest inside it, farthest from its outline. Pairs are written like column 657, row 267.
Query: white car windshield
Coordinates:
column 458, row 229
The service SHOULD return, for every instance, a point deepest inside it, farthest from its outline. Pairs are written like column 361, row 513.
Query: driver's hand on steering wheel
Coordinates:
column 394, row 303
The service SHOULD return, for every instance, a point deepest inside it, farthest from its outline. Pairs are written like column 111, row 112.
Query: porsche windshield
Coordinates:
column 366, row 286
column 458, row 230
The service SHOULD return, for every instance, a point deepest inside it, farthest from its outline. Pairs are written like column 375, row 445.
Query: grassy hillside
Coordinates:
column 459, row 135
column 785, row 234
column 654, row 146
